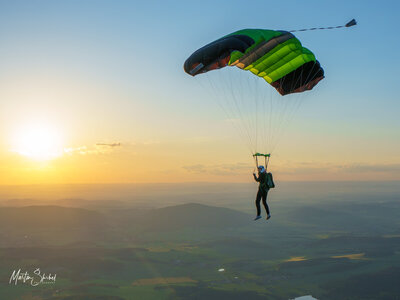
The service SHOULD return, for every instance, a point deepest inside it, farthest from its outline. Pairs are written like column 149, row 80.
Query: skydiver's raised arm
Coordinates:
column 256, row 178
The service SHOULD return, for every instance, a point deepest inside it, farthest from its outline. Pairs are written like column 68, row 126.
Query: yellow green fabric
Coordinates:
column 276, row 62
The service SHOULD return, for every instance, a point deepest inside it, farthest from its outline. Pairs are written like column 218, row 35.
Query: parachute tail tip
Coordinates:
column 351, row 23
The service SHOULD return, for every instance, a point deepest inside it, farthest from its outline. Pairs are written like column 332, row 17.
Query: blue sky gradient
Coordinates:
column 124, row 60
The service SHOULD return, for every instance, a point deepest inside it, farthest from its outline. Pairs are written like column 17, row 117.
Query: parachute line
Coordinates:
column 259, row 114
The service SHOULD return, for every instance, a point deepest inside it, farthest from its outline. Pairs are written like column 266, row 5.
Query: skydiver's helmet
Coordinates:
column 261, row 169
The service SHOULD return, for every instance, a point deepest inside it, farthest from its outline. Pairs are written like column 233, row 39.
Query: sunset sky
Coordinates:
column 95, row 92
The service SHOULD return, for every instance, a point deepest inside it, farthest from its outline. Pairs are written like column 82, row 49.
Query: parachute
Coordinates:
column 273, row 57
column 276, row 56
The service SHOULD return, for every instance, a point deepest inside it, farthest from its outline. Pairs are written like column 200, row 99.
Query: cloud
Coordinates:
column 218, row 169
column 381, row 168
column 316, row 167
column 294, row 168
column 107, row 148
column 76, row 150
column 108, row 144
column 99, row 148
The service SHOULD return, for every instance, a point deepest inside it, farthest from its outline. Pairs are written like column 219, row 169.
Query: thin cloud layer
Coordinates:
column 315, row 167
column 99, row 148
column 108, row 144
column 302, row 168
column 218, row 169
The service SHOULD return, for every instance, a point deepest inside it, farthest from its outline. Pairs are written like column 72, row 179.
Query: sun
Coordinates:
column 38, row 141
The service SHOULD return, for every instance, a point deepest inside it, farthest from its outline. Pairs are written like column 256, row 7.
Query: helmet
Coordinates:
column 261, row 169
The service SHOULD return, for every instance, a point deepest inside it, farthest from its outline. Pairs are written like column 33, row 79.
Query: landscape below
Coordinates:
column 337, row 241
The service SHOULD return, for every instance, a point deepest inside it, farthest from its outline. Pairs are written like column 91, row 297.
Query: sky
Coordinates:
column 95, row 92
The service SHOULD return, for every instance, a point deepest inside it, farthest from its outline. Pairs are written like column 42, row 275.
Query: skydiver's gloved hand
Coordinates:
column 255, row 176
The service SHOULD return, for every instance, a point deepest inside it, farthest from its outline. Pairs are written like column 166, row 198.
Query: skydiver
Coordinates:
column 262, row 192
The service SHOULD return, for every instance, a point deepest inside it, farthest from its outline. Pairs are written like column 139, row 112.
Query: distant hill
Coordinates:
column 372, row 218
column 56, row 225
column 191, row 215
column 49, row 225
column 48, row 217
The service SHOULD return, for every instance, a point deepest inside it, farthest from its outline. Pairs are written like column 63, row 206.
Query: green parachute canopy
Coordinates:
column 276, row 56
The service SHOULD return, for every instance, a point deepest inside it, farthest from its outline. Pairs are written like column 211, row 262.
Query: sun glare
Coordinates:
column 39, row 142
